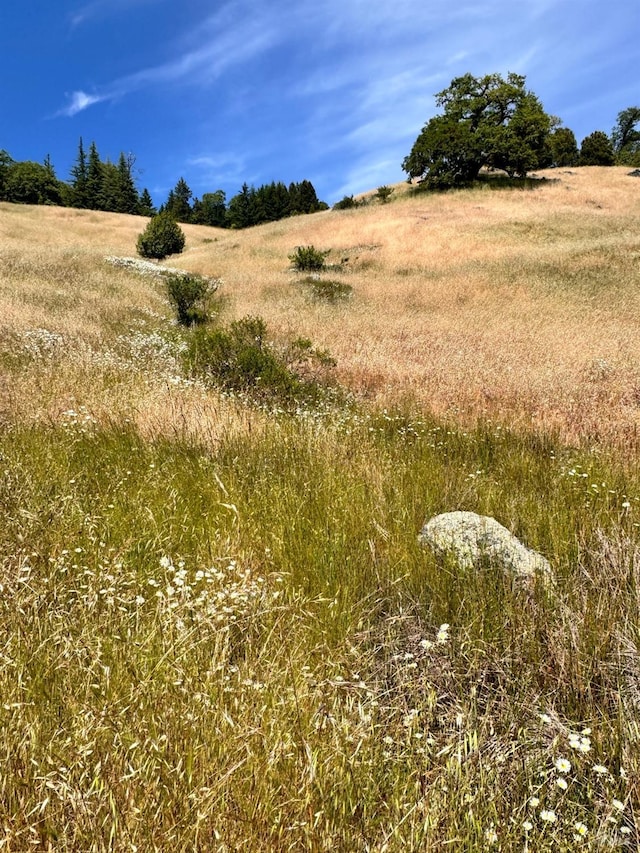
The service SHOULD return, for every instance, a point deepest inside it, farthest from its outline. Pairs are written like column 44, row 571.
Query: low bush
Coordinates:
column 383, row 194
column 191, row 296
column 328, row 290
column 162, row 236
column 239, row 358
column 307, row 258
column 348, row 202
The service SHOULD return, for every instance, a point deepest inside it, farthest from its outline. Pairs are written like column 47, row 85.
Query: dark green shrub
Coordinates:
column 307, row 258
column 191, row 296
column 162, row 236
column 346, row 203
column 596, row 150
column 328, row 290
column 241, row 359
column 383, row 193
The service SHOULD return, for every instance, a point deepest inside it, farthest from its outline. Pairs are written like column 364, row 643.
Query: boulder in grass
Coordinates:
column 472, row 539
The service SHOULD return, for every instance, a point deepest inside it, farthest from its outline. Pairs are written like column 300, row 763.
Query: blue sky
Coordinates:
column 332, row 91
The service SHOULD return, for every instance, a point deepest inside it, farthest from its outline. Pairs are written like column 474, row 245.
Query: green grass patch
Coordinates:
column 245, row 646
column 327, row 290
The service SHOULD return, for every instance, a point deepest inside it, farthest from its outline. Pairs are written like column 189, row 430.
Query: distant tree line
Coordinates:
column 97, row 184
column 94, row 184
column 250, row 206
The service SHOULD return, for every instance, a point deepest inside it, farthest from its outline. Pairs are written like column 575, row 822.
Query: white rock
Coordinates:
column 470, row 539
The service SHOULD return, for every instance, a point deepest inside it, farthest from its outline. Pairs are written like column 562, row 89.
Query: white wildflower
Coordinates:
column 443, row 633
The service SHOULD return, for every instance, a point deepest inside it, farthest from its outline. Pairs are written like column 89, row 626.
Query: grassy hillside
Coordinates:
column 218, row 630
column 518, row 305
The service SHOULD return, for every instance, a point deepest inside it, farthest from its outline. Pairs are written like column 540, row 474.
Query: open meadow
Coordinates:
column 218, row 630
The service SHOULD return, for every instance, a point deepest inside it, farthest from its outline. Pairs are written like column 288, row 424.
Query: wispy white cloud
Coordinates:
column 79, row 101
column 221, row 168
column 225, row 41
column 102, row 8
column 369, row 175
column 323, row 82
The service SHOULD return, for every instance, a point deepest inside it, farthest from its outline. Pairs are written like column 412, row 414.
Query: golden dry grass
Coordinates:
column 518, row 305
column 239, row 649
column 76, row 333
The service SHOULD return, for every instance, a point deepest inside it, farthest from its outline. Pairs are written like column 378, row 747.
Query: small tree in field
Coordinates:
column 162, row 236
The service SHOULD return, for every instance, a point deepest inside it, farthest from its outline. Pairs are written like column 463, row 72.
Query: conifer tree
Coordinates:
column 110, row 186
column 240, row 211
column 79, row 175
column 127, row 201
column 178, row 202
column 95, row 180
column 162, row 236
column 294, row 198
column 145, row 206
column 308, row 197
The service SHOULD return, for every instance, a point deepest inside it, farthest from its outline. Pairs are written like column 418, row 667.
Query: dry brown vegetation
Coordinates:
column 520, row 305
column 218, row 630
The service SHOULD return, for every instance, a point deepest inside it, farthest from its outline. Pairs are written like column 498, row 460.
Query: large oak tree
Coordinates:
column 486, row 122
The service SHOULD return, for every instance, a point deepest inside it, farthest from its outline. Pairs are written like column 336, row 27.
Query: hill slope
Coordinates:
column 516, row 304
column 218, row 630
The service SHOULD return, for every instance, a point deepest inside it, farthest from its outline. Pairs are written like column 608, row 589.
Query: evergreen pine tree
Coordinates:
column 110, row 196
column 95, row 180
column 128, row 201
column 79, row 176
column 294, row 199
column 145, row 207
column 281, row 200
column 162, row 236
column 240, row 213
column 178, row 202
column 308, row 197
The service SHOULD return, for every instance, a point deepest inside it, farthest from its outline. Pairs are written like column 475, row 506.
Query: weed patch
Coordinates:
column 327, row 290
column 240, row 358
